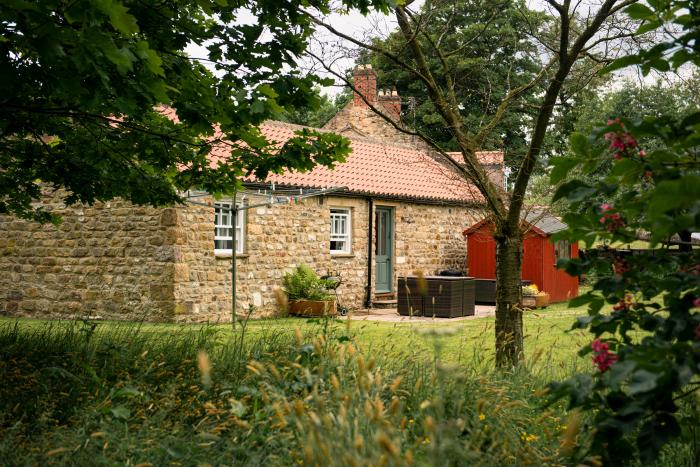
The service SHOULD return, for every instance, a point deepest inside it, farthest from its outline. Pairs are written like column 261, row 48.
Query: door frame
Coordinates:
column 390, row 247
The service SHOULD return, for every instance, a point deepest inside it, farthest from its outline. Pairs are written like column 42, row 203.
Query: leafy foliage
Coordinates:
column 645, row 386
column 315, row 116
column 101, row 99
column 682, row 18
column 633, row 100
column 304, row 284
column 648, row 348
column 493, row 54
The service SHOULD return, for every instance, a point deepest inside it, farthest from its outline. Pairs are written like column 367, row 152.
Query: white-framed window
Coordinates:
column 340, row 231
column 223, row 229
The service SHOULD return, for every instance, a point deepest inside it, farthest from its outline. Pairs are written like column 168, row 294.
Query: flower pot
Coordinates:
column 542, row 300
column 529, row 301
column 313, row 307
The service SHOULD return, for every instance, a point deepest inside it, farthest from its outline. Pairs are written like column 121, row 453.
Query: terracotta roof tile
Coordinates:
column 375, row 168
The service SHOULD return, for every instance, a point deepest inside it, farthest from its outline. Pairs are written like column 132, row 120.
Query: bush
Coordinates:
column 304, row 284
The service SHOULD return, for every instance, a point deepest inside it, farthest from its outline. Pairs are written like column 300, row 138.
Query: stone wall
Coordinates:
column 112, row 260
column 119, row 261
column 278, row 238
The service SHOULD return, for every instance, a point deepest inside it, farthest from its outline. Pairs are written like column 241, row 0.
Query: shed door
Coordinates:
column 384, row 248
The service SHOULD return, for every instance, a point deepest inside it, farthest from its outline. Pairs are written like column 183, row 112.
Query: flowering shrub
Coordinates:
column 602, row 357
column 646, row 344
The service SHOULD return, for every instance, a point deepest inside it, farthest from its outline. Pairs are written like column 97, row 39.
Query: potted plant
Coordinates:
column 542, row 299
column 529, row 296
column 534, row 298
column 307, row 293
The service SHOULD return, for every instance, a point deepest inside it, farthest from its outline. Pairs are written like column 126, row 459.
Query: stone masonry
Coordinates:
column 119, row 261
column 278, row 238
column 111, row 260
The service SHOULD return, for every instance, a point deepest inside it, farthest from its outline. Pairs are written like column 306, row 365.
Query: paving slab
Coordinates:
column 391, row 315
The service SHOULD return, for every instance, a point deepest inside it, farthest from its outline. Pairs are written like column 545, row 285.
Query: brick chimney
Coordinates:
column 392, row 103
column 366, row 84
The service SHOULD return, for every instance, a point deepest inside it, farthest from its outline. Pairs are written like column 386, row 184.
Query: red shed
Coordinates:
column 540, row 255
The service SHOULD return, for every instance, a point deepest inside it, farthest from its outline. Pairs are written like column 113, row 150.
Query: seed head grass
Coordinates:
column 285, row 392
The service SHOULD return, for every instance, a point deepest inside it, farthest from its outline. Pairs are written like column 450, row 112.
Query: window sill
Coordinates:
column 342, row 255
column 225, row 255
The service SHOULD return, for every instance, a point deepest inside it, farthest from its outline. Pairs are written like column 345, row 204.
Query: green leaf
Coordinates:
column 581, row 300
column 574, row 190
column 639, row 11
column 621, row 63
column 643, row 381
column 120, row 18
column 562, row 168
column 648, row 26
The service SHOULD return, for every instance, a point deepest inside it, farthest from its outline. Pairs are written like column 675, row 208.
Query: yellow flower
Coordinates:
column 528, row 437
column 482, row 417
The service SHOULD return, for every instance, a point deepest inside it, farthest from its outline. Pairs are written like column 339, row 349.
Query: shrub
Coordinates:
column 304, row 284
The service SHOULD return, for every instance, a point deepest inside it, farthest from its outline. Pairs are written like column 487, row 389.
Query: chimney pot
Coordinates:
column 365, row 85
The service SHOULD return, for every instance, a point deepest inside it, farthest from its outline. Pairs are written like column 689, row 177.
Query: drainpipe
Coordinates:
column 368, row 288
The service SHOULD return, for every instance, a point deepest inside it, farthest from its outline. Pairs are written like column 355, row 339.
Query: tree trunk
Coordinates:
column 509, row 315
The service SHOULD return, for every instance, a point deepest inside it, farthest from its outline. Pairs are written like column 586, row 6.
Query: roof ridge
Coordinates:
column 363, row 139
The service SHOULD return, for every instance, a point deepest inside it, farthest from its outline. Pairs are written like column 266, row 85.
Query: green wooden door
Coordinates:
column 384, row 249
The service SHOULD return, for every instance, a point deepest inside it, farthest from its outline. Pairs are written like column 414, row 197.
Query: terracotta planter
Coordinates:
column 313, row 308
column 542, row 300
column 529, row 301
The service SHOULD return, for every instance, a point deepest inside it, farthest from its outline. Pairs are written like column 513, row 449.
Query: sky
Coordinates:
column 354, row 24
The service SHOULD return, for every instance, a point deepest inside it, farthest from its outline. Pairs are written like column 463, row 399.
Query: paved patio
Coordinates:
column 391, row 315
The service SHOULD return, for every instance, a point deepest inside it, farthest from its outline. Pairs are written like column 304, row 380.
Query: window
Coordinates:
column 223, row 229
column 562, row 250
column 340, row 231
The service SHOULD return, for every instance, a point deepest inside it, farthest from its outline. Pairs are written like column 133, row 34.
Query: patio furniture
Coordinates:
column 445, row 297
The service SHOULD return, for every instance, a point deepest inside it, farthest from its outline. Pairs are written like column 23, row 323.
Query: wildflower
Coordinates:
column 482, row 417
column 612, row 220
column 526, row 438
column 602, row 357
column 696, row 302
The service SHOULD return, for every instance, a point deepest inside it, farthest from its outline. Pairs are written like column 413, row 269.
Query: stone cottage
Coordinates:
column 398, row 210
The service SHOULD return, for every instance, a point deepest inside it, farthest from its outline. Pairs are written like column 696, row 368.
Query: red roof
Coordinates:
column 376, row 168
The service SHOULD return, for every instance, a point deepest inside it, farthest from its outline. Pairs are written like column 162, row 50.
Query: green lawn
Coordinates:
column 548, row 342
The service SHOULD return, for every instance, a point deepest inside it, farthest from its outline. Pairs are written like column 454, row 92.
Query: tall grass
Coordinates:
column 78, row 394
